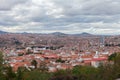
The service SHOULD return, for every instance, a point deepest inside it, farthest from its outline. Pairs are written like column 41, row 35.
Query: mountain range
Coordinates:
column 57, row 34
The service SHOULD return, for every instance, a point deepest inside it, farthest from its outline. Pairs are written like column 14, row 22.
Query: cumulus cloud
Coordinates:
column 69, row 16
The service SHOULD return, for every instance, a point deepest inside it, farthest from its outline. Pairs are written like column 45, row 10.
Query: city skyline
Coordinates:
column 67, row 16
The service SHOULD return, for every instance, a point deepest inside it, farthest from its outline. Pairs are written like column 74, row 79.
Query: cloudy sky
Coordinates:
column 68, row 16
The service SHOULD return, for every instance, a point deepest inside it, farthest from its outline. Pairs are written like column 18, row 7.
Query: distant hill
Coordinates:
column 83, row 34
column 63, row 34
column 3, row 32
column 58, row 33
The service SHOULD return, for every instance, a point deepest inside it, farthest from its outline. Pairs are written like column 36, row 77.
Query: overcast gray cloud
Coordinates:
column 8, row 4
column 69, row 16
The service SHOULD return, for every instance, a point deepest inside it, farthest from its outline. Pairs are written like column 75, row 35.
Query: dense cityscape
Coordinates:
column 56, row 51
column 84, row 49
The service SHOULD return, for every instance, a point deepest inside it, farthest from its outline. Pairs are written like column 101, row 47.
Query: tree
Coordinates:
column 34, row 63
column 19, row 74
column 64, row 77
column 36, row 75
column 1, row 61
column 2, row 77
column 43, row 67
column 9, row 73
column 117, row 65
column 60, row 60
column 112, row 57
